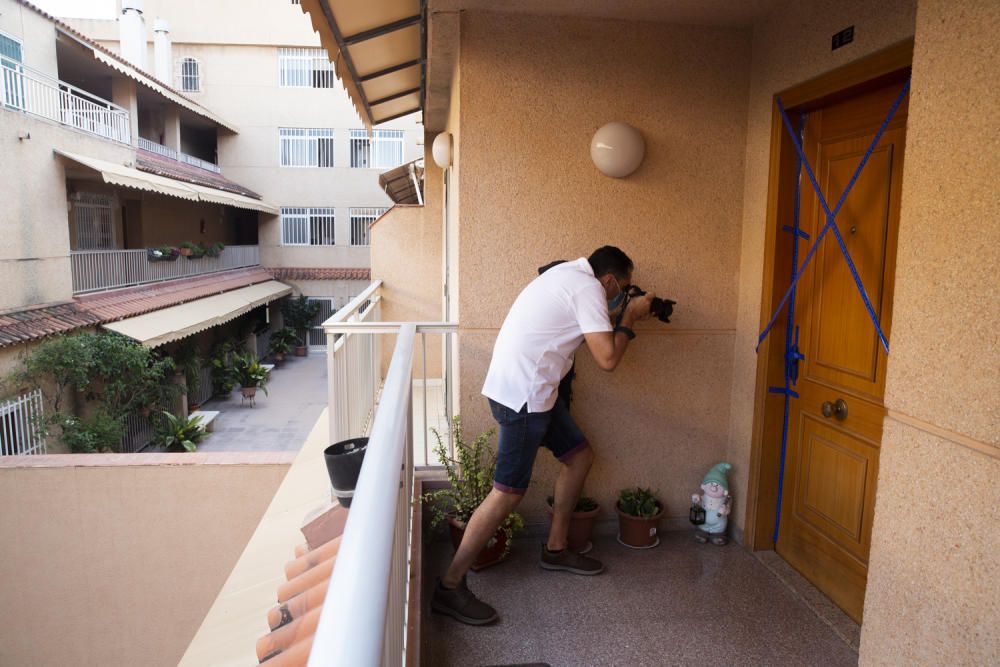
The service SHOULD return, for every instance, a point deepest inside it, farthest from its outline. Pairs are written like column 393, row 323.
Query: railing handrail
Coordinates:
column 42, row 77
column 354, row 306
column 388, row 327
column 359, row 586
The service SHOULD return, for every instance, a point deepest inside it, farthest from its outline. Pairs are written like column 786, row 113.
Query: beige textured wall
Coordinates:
column 530, row 194
column 790, row 46
column 932, row 586
column 173, row 220
column 100, row 550
column 406, row 257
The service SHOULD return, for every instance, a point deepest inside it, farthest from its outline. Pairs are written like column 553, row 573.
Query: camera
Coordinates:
column 662, row 309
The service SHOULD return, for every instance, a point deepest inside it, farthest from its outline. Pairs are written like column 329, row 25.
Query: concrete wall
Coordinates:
column 790, row 46
column 530, row 194
column 36, row 34
column 406, row 257
column 172, row 220
column 114, row 559
column 932, row 587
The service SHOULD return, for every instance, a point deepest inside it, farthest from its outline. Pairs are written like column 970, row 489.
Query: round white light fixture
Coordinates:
column 617, row 149
column 441, row 150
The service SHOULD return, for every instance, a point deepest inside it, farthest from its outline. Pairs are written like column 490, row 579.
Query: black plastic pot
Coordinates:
column 343, row 463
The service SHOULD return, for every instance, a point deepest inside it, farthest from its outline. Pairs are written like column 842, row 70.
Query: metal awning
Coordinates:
column 405, row 183
column 169, row 324
column 378, row 50
column 118, row 174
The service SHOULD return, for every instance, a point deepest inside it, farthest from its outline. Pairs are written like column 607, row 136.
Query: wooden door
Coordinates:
column 833, row 458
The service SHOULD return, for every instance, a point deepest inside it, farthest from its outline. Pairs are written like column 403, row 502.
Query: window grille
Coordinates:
column 306, row 147
column 10, row 48
column 190, row 73
column 296, row 2
column 361, row 222
column 383, row 150
column 307, row 226
column 21, row 421
column 95, row 222
column 305, row 68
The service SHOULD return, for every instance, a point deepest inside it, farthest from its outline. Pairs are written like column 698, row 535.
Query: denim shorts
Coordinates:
column 521, row 432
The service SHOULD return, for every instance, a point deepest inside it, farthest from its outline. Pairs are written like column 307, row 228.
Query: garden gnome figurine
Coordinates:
column 715, row 501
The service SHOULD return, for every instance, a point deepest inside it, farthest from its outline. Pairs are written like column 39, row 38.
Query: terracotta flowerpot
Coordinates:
column 300, row 350
column 491, row 554
column 637, row 532
column 248, row 392
column 279, row 357
column 186, row 252
column 581, row 525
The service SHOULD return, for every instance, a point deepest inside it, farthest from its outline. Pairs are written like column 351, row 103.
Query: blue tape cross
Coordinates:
column 831, row 216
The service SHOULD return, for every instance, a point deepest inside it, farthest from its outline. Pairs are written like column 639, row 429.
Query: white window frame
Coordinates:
column 185, row 78
column 383, row 149
column 95, row 210
column 300, row 146
column 308, row 226
column 12, row 84
column 305, row 68
column 361, row 224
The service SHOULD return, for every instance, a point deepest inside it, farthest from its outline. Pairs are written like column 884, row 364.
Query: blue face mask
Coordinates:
column 616, row 301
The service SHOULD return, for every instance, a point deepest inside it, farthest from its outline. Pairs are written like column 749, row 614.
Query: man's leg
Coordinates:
column 482, row 526
column 569, row 484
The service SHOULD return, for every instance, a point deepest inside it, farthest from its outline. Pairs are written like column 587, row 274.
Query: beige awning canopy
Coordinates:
column 128, row 177
column 405, row 183
column 378, row 51
column 169, row 324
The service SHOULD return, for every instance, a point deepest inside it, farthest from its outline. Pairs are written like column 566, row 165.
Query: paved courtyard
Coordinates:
column 280, row 421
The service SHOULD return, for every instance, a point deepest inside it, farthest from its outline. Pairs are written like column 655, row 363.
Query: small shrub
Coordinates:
column 639, row 502
column 176, row 434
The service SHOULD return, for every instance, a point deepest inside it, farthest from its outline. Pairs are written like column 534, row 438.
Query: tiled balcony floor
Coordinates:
column 681, row 603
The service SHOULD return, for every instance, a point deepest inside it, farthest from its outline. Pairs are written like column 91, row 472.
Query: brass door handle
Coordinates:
column 837, row 409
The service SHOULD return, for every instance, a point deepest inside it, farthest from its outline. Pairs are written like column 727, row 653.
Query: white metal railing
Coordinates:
column 32, row 92
column 160, row 149
column 97, row 270
column 21, row 428
column 139, row 433
column 205, row 388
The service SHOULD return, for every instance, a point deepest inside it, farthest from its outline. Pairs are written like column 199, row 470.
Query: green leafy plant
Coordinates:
column 470, row 474
column 100, row 432
column 177, row 434
column 248, row 372
column 108, row 376
column 299, row 313
column 221, row 362
column 162, row 254
column 282, row 340
column 639, row 502
column 583, row 504
column 214, row 249
column 196, row 250
column 187, row 361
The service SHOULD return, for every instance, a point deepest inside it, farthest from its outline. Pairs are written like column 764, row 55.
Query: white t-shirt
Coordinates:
column 535, row 346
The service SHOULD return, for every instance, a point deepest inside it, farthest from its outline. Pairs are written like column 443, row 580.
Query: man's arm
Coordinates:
column 608, row 347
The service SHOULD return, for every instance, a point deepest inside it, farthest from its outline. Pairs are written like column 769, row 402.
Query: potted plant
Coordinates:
column 162, row 254
column 214, row 249
column 192, row 250
column 581, row 523
column 250, row 374
column 282, row 341
column 178, row 434
column 639, row 515
column 470, row 473
column 299, row 313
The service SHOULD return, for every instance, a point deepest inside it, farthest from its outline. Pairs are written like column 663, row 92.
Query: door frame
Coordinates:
column 869, row 72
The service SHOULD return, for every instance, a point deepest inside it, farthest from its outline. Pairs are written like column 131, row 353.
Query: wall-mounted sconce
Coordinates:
column 441, row 150
column 23, row 135
column 617, row 149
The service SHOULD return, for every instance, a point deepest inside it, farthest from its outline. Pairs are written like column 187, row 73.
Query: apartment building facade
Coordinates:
column 301, row 143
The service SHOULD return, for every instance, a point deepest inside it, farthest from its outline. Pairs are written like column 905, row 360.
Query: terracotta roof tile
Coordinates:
column 293, row 622
column 160, row 165
column 285, row 273
column 18, row 326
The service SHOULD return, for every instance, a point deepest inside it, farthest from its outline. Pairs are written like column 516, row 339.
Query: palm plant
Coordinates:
column 178, row 434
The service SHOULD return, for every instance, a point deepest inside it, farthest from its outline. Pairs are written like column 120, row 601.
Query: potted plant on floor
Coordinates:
column 282, row 341
column 176, row 434
column 581, row 523
column 250, row 375
column 470, row 473
column 299, row 313
column 639, row 515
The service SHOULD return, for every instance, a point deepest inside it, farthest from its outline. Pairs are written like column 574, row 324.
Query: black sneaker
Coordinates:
column 461, row 604
column 569, row 561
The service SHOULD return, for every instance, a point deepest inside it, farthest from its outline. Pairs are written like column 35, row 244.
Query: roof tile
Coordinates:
column 286, row 273
column 160, row 165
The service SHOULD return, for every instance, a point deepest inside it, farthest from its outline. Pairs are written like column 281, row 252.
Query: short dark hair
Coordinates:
column 609, row 259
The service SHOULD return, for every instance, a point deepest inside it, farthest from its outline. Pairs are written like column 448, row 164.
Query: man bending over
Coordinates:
column 566, row 305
